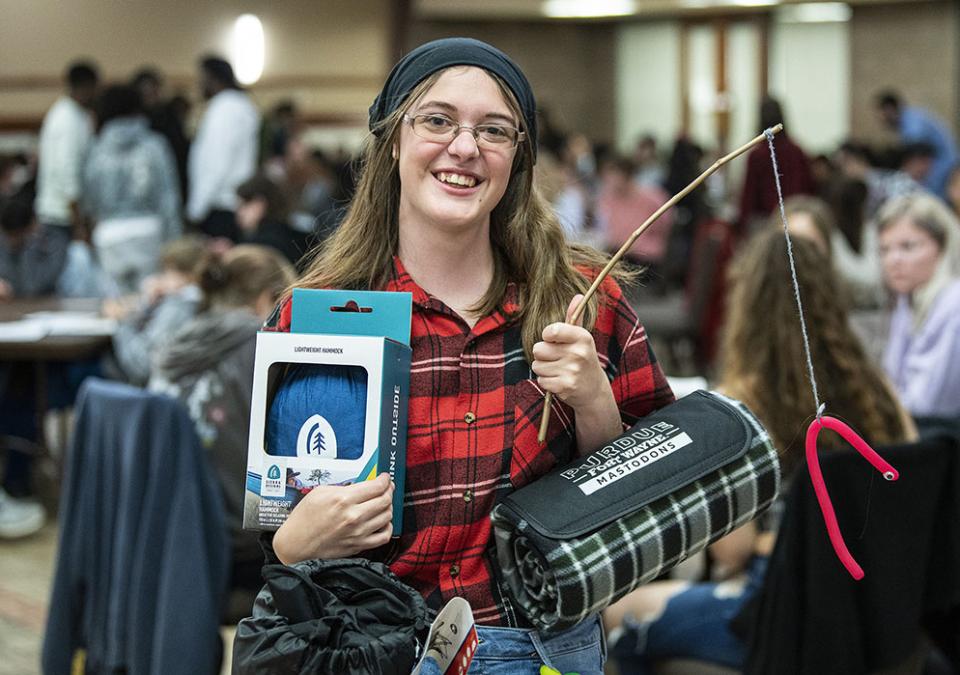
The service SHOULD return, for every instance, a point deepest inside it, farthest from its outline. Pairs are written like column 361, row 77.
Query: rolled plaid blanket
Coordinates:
column 577, row 540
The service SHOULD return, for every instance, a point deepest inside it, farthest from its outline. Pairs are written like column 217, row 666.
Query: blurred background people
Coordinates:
column 310, row 186
column 31, row 259
column 262, row 219
column 170, row 298
column 130, row 189
column 763, row 366
column 921, row 261
column 224, row 150
column 953, row 190
column 623, row 205
column 915, row 125
column 648, row 170
column 759, row 194
column 164, row 118
column 855, row 162
column 278, row 128
column 207, row 363
column 62, row 146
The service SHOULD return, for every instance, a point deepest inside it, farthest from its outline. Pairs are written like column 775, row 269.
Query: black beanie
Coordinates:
column 439, row 54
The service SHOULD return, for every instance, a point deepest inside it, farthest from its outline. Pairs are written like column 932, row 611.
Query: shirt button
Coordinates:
column 468, row 496
column 454, row 570
column 469, row 418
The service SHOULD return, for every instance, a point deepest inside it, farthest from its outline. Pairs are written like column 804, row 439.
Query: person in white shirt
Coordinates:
column 65, row 138
column 224, row 151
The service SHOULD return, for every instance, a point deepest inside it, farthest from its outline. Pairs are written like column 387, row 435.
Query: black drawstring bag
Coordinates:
column 337, row 616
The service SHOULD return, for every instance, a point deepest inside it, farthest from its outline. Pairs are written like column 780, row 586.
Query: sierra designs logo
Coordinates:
column 317, row 438
column 273, row 484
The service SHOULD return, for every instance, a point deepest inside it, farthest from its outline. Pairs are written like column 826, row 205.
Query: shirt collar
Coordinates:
column 401, row 281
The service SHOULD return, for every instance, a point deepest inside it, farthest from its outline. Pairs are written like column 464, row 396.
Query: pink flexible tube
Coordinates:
column 820, row 488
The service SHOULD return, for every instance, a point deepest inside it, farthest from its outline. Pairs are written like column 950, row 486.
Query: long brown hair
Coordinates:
column 528, row 243
column 763, row 362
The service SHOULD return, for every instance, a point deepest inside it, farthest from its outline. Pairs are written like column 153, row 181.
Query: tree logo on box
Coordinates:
column 317, row 439
column 274, row 472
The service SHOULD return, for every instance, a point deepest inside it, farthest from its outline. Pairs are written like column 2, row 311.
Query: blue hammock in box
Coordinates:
column 319, row 410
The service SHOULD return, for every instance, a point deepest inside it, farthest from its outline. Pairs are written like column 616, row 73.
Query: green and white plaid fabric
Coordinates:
column 558, row 583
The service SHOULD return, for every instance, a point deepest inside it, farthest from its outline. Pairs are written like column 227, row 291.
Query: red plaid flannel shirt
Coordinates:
column 474, row 413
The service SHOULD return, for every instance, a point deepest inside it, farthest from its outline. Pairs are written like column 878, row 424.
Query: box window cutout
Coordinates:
column 316, row 410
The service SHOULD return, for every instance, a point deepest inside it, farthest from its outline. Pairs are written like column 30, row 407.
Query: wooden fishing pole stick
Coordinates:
column 578, row 312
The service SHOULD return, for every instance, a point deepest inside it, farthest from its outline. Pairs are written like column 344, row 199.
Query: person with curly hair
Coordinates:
column 763, row 365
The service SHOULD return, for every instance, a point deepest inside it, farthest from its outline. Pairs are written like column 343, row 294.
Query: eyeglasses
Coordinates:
column 442, row 129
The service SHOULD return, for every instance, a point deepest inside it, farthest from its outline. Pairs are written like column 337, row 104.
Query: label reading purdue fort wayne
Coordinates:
column 625, row 455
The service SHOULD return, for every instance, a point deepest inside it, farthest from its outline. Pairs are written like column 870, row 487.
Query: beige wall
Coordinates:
column 913, row 47
column 569, row 65
column 329, row 55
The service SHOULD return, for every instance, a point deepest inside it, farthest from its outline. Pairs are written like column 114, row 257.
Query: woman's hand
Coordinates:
column 337, row 521
column 566, row 364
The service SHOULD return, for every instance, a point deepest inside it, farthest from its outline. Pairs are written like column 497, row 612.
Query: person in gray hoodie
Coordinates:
column 208, row 364
column 130, row 189
column 169, row 299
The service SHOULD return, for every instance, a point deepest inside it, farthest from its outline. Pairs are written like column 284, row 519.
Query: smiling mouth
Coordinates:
column 457, row 180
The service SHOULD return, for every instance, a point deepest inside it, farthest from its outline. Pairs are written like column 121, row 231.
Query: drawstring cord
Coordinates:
column 822, row 421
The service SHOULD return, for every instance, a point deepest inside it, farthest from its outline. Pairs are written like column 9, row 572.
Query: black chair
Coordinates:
column 812, row 617
column 143, row 556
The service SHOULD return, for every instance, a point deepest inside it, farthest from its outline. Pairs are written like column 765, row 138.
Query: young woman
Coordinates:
column 763, row 365
column 919, row 254
column 446, row 209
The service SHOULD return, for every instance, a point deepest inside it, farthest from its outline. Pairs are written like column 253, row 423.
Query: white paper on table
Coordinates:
column 22, row 331
column 79, row 324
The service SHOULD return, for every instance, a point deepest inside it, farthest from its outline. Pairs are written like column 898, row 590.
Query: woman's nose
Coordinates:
column 464, row 144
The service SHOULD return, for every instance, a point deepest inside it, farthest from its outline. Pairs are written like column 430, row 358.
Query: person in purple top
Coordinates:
column 919, row 240
column 916, row 125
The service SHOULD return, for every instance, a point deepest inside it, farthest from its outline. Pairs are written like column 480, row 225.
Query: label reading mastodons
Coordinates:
column 627, row 454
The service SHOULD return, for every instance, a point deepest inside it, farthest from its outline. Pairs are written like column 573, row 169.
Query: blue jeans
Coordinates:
column 519, row 651
column 694, row 625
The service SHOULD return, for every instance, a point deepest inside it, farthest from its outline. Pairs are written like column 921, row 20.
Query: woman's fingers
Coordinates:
column 378, row 538
column 547, row 351
column 376, row 523
column 565, row 333
column 368, row 489
column 373, row 507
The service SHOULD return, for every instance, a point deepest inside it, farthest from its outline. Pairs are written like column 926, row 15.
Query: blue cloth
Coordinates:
column 919, row 126
column 521, row 651
column 694, row 625
column 337, row 394
column 143, row 559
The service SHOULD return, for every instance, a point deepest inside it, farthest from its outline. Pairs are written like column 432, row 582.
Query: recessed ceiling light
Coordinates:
column 569, row 9
column 248, row 49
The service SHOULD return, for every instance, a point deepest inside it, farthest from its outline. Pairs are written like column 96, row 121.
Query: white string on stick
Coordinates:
column 793, row 275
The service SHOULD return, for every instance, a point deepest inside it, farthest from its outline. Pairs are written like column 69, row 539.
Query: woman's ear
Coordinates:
column 395, row 151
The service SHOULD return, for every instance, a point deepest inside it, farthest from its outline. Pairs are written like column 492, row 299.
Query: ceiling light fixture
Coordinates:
column 587, row 9
column 815, row 12
column 248, row 49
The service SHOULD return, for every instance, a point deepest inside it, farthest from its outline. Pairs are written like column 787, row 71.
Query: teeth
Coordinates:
column 457, row 179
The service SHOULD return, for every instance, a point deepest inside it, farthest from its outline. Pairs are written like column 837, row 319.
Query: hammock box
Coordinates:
column 329, row 402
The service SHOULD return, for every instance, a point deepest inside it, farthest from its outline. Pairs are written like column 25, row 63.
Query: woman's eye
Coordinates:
column 438, row 122
column 493, row 131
